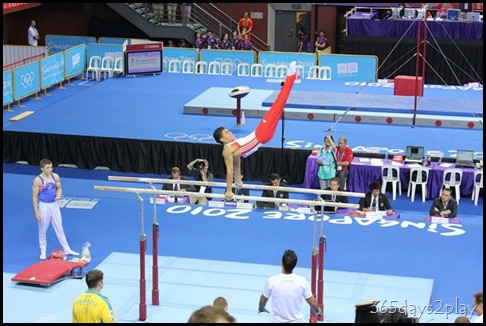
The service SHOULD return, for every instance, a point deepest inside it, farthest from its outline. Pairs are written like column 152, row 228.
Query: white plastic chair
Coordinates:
column 175, row 66
column 256, row 70
column 270, row 71
column 419, row 176
column 165, row 64
column 391, row 173
column 201, row 67
column 477, row 185
column 324, row 73
column 188, row 67
column 452, row 179
column 94, row 67
column 227, row 68
column 281, row 71
column 243, row 69
column 107, row 65
column 300, row 70
column 313, row 72
column 214, row 68
column 118, row 66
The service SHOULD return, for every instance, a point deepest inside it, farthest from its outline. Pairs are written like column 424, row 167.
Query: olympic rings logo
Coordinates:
column 183, row 137
column 27, row 79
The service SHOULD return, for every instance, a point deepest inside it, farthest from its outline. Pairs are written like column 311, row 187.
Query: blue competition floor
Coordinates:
column 151, row 108
column 206, row 251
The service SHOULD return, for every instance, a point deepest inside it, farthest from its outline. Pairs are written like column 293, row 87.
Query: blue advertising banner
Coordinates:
column 181, row 54
column 306, row 60
column 7, row 88
column 74, row 61
column 26, row 80
column 58, row 43
column 359, row 68
column 112, row 50
column 52, row 70
column 236, row 57
column 112, row 40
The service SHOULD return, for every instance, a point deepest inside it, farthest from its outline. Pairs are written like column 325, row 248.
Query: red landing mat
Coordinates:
column 50, row 271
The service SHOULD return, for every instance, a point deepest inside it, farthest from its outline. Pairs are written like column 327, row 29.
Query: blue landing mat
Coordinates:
column 379, row 103
column 187, row 284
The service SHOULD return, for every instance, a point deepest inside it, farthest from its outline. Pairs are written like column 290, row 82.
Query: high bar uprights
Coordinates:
column 212, row 195
column 249, row 186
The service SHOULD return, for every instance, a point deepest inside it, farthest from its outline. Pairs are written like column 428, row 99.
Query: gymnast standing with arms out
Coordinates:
column 234, row 148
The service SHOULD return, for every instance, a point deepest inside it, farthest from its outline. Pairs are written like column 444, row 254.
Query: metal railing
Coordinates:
column 203, row 17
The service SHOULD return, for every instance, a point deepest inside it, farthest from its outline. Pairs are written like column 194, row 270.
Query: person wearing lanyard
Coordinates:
column 344, row 156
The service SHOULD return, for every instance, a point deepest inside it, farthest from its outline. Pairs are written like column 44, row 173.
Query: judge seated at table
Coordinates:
column 374, row 200
column 275, row 181
column 444, row 205
column 333, row 186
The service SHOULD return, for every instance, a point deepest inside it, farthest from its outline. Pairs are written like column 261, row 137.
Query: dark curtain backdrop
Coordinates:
column 145, row 156
column 451, row 62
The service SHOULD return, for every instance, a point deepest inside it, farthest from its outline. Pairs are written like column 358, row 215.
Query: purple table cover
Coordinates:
column 361, row 174
column 440, row 29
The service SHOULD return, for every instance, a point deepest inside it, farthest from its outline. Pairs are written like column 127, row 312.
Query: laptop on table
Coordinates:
column 465, row 158
column 414, row 154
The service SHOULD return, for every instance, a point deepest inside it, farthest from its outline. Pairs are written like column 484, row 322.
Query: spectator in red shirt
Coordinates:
column 245, row 26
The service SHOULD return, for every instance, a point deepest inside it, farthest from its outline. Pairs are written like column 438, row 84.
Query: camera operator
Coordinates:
column 199, row 169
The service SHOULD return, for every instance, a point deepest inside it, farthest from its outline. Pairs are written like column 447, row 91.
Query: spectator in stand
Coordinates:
column 32, row 34
column 186, row 13
column 236, row 41
column 199, row 42
column 303, row 40
column 225, row 42
column 170, row 44
column 424, row 7
column 183, row 43
column 246, row 45
column 171, row 13
column 158, row 9
column 321, row 41
column 344, row 156
column 442, row 11
column 245, row 26
column 211, row 40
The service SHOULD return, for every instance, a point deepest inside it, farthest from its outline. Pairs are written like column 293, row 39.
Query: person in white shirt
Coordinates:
column 287, row 290
column 32, row 34
column 478, row 306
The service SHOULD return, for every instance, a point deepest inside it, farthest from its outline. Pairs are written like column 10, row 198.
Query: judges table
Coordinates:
column 441, row 29
column 361, row 174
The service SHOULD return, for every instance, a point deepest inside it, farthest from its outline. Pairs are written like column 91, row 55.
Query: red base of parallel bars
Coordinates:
column 143, row 305
column 155, row 265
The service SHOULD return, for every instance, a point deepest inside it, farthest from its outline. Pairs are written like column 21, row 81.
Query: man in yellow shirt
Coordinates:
column 92, row 306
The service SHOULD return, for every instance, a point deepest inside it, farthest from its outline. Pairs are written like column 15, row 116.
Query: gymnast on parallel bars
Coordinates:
column 234, row 148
